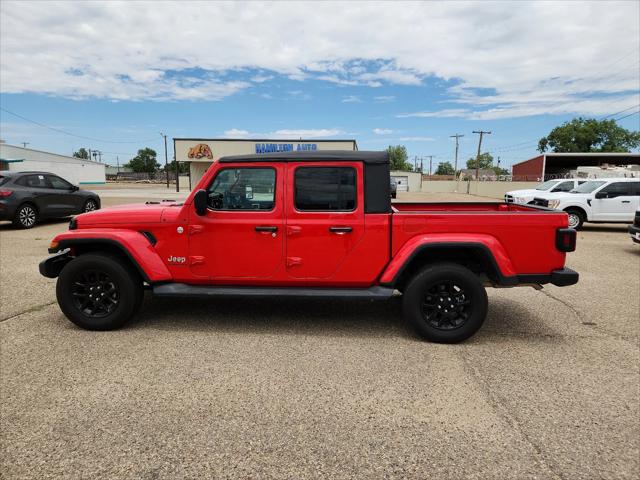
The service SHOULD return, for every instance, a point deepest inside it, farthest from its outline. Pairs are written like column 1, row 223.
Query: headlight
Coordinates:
column 554, row 203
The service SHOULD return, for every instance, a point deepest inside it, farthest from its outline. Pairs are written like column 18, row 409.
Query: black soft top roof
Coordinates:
column 312, row 156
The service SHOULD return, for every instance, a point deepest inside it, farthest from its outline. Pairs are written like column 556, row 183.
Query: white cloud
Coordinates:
column 382, row 131
column 351, row 99
column 449, row 112
column 384, row 98
column 501, row 59
column 285, row 133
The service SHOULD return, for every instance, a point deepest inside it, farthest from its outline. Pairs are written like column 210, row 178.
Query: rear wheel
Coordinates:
column 445, row 303
column 576, row 218
column 26, row 216
column 98, row 292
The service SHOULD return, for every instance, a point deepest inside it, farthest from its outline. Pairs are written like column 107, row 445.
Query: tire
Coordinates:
column 117, row 295
column 449, row 287
column 576, row 218
column 393, row 195
column 90, row 205
column 26, row 216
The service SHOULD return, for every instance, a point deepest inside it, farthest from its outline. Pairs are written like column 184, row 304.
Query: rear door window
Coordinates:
column 325, row 189
column 33, row 181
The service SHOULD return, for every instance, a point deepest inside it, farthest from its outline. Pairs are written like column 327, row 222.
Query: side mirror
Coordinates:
column 200, row 202
column 75, row 188
column 602, row 195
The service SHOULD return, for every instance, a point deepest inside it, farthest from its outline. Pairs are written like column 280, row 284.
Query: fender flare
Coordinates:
column 132, row 244
column 492, row 252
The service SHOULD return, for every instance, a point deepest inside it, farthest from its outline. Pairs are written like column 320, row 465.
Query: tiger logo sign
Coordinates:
column 201, row 150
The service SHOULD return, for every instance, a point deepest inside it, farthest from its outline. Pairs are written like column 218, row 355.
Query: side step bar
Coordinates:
column 174, row 290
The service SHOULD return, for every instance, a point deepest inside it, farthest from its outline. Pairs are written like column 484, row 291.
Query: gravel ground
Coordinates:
column 283, row 388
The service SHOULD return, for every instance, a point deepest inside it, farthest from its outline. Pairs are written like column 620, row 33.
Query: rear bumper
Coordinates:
column 634, row 232
column 560, row 278
column 7, row 210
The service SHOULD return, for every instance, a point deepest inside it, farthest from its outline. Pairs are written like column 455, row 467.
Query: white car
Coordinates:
column 527, row 195
column 608, row 200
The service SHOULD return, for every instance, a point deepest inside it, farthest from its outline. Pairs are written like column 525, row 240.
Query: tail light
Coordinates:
column 566, row 239
column 5, row 193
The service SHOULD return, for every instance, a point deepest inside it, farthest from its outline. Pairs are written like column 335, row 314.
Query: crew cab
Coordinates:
column 316, row 224
column 550, row 186
column 603, row 200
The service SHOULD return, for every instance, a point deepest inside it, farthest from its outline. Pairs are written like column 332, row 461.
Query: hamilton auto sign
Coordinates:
column 284, row 147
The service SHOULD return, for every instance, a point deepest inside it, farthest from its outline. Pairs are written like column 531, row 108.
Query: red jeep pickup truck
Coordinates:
column 316, row 224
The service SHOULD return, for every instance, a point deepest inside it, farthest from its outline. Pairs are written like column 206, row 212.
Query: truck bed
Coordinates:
column 453, row 207
column 524, row 233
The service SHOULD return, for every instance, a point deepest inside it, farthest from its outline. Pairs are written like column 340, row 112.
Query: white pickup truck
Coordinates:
column 605, row 200
column 550, row 186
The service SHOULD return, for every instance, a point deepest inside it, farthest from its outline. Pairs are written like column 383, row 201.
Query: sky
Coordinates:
column 113, row 76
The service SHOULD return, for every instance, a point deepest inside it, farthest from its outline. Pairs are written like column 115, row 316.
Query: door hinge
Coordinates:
column 193, row 229
column 196, row 260
column 293, row 261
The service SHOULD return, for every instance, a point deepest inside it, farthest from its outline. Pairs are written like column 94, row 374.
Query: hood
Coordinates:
column 525, row 192
column 127, row 214
column 559, row 195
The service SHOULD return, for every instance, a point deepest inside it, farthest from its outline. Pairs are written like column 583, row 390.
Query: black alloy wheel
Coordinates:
column 446, row 306
column 95, row 294
column 445, row 302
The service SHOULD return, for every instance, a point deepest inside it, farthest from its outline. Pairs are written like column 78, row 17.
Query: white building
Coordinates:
column 200, row 152
column 407, row 181
column 76, row 170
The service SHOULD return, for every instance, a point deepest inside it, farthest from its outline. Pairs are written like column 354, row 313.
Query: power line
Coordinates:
column 621, row 111
column 72, row 134
column 620, row 118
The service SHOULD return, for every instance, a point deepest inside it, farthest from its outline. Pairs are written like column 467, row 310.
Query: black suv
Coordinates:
column 26, row 197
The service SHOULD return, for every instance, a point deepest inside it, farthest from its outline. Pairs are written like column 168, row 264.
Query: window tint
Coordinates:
column 243, row 189
column 33, row 181
column 325, row 188
column 618, row 189
column 58, row 183
column 564, row 187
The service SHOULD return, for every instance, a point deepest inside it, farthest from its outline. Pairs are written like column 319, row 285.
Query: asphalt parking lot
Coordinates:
column 282, row 388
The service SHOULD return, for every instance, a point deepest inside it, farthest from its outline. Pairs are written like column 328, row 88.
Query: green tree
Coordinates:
column 184, row 167
column 144, row 161
column 82, row 153
column 445, row 168
column 486, row 161
column 398, row 158
column 589, row 135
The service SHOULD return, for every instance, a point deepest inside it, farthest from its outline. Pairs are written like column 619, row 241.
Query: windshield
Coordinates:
column 547, row 185
column 587, row 187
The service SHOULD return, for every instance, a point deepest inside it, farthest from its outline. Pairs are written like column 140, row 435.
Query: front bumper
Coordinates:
column 634, row 232
column 52, row 266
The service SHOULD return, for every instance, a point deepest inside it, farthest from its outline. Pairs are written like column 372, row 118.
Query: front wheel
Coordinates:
column 89, row 206
column 98, row 292
column 576, row 218
column 445, row 303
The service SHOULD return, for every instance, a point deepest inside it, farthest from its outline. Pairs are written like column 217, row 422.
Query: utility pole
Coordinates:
column 117, row 164
column 166, row 167
column 455, row 166
column 24, row 144
column 481, row 132
column 100, row 155
column 430, row 164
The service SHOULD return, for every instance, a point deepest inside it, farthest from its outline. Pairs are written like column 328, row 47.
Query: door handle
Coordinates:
column 340, row 230
column 626, row 201
column 266, row 228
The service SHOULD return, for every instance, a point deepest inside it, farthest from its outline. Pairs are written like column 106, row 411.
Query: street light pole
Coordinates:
column 166, row 167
